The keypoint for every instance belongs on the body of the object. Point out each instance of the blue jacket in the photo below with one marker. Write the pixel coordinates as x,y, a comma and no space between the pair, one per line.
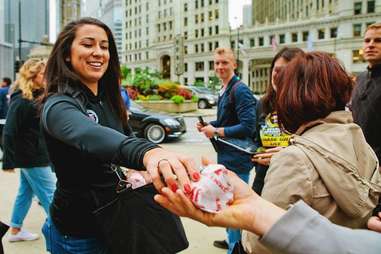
236,113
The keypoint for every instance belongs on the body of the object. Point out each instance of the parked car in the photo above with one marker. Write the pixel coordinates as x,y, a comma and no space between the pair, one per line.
156,127
206,98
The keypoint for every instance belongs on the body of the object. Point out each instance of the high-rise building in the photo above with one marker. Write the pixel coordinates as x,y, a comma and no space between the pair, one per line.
333,26
247,15
6,49
176,37
34,25
69,10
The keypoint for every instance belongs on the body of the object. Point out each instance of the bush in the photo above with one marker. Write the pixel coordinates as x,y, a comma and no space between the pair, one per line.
142,97
154,97
186,93
168,89
194,98
178,99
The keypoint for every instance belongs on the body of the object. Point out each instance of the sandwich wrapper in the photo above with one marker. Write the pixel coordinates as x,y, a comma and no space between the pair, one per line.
212,192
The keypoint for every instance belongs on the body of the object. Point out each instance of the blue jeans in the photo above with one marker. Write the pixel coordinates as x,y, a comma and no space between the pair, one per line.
234,235
39,181
57,243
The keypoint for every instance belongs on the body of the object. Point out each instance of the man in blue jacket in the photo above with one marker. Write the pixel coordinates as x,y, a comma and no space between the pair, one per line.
235,119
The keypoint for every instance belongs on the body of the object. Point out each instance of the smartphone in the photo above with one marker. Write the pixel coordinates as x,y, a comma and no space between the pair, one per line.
201,120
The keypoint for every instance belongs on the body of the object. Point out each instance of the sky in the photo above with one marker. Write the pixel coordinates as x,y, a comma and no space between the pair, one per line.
235,10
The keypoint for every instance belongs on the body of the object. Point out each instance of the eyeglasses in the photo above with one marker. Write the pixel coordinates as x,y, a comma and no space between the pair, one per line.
123,184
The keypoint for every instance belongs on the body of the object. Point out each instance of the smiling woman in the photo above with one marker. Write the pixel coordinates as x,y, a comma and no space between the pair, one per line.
87,135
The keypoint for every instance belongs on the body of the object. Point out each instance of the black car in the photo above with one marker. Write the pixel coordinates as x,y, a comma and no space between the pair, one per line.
206,98
156,127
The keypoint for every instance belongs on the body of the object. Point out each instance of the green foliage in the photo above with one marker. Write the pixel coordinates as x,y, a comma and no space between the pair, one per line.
154,97
214,83
167,89
194,98
199,83
178,99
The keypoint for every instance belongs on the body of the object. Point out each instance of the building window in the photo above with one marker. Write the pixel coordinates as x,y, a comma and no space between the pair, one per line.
196,4
216,44
185,50
196,19
305,35
185,21
196,48
185,67
211,65
371,6
232,44
216,29
185,7
357,57
185,35
210,30
202,32
282,38
216,13
356,30
321,34
199,66
210,46
210,15
333,32
202,17
260,41
196,33
357,8
252,42
185,81
202,47
294,37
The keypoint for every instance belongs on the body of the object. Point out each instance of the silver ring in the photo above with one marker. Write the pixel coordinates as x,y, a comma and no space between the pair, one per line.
158,163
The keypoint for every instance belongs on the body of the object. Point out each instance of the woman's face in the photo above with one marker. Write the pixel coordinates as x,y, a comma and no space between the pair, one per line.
90,54
279,64
39,79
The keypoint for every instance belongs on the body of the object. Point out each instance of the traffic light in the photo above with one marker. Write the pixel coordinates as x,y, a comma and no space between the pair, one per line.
17,65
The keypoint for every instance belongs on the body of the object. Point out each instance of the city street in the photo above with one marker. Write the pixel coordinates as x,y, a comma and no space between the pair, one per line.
200,237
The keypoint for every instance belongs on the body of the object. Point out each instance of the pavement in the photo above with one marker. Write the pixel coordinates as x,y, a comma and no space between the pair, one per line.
201,112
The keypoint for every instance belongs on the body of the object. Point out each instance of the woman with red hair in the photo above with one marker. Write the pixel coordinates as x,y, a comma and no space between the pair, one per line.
328,163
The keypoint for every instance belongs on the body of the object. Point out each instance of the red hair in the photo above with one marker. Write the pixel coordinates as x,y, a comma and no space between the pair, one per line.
311,87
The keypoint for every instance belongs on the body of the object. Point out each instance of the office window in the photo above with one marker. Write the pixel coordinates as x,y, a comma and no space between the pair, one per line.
356,30
294,37
185,7
282,39
202,17
333,32
202,47
357,8
202,32
185,50
210,15
216,29
211,65
196,48
185,67
321,34
210,30
199,66
196,4
210,46
196,33
260,41
216,44
185,35
357,57
305,35
185,81
185,21
196,19
216,13
371,6
252,42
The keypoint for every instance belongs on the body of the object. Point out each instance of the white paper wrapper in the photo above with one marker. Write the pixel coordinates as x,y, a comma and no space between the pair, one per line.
212,192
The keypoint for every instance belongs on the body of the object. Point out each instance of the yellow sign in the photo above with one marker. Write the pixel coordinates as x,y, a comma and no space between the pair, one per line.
270,133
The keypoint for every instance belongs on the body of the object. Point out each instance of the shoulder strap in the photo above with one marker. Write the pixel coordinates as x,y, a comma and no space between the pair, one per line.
232,93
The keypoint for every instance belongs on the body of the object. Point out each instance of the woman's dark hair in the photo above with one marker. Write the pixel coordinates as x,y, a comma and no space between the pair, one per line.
7,80
61,77
311,87
268,100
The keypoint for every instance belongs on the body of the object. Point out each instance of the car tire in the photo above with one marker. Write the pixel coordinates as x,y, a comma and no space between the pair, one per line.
202,104
154,133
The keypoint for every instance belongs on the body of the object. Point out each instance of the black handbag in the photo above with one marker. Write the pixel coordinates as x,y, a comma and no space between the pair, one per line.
133,223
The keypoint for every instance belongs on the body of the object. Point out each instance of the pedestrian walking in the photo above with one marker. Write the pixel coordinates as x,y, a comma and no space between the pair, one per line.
4,102
235,119
25,148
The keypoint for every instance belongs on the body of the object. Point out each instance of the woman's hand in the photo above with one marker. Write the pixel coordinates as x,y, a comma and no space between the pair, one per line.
265,157
374,223
248,211
170,169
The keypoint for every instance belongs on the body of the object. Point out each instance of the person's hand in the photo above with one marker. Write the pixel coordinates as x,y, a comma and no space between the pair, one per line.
247,211
9,170
170,169
208,130
374,223
265,157
199,126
